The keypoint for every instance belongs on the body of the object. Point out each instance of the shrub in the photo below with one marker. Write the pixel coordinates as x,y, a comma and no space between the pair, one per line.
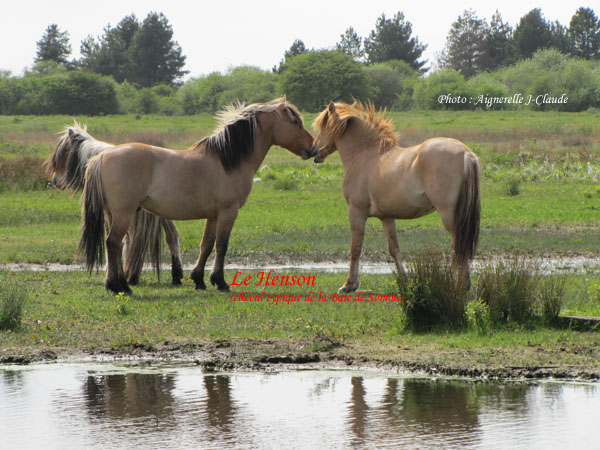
478,316
12,301
512,187
509,290
429,91
433,295
552,290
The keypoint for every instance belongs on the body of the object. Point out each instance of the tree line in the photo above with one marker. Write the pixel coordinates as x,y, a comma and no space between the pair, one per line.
136,67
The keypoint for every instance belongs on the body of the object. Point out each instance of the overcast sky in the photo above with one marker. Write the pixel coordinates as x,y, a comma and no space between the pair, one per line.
219,34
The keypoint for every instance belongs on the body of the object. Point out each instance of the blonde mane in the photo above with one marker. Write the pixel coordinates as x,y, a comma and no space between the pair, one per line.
376,127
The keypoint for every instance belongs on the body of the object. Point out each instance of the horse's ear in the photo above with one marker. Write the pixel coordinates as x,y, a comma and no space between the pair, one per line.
71,132
331,107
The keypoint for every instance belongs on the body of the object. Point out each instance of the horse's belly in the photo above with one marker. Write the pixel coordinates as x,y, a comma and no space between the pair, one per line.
402,207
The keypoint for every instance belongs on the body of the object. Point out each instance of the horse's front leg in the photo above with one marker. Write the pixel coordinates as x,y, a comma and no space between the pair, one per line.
224,225
172,237
208,241
358,218
389,228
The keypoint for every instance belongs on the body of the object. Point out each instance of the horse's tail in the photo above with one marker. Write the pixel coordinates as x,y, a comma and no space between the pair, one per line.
145,233
75,147
92,228
467,211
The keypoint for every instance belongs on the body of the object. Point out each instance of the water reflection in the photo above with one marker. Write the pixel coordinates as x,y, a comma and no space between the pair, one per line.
184,408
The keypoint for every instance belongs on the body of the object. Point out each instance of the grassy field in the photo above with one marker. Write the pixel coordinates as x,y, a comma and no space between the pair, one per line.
540,197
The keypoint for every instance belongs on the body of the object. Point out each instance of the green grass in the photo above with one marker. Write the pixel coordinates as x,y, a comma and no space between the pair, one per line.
72,310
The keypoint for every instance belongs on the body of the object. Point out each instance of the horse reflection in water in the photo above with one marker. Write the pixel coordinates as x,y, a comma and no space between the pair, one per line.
211,180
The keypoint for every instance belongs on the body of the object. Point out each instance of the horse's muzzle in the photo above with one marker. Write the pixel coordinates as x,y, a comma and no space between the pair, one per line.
309,152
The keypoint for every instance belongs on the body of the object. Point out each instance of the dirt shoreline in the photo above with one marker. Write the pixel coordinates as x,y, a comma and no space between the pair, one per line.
214,355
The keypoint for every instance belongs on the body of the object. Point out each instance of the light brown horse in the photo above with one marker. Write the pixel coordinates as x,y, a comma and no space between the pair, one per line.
210,180
66,167
389,182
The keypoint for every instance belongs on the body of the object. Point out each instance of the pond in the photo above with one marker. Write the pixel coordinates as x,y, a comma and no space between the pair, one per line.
149,406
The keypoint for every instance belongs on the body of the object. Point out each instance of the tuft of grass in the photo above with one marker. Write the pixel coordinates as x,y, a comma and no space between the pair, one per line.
433,294
12,301
478,316
552,292
509,290
512,188
285,184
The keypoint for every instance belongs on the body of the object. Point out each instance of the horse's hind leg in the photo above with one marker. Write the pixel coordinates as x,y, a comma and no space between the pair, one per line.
389,228
172,237
115,275
357,226
208,241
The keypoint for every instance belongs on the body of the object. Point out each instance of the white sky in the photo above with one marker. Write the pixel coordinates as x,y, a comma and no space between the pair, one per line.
219,34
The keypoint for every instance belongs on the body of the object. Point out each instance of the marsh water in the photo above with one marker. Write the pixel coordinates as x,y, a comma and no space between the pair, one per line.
140,406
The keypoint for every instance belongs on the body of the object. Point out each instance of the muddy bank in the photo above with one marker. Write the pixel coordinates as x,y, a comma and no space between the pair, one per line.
569,362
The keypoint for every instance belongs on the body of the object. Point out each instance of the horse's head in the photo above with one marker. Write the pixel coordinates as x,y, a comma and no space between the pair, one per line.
325,123
290,133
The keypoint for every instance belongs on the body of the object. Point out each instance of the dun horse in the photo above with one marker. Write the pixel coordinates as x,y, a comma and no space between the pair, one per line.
210,180
66,166
389,182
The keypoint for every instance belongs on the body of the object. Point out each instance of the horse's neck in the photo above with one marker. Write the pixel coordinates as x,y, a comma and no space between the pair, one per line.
262,144
354,151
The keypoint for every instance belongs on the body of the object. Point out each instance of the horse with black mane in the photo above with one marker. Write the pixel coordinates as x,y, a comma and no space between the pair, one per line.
210,180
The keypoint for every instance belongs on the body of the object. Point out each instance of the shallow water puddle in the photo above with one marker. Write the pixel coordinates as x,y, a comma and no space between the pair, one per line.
105,406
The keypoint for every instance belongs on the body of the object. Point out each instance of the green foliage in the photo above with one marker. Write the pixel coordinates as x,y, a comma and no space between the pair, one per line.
532,33
509,290
314,78
433,295
552,293
244,84
467,45
12,300
585,33
513,186
392,39
54,45
72,92
478,316
351,44
428,91
391,84
144,54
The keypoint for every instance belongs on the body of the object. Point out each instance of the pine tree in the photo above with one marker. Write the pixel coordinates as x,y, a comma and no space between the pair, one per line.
585,33
351,44
54,46
501,49
391,39
467,46
532,34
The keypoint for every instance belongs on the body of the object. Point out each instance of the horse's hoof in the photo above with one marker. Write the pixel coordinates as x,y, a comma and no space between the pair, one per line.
224,288
345,289
199,286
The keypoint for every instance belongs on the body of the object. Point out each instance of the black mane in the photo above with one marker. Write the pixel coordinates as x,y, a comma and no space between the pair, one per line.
234,142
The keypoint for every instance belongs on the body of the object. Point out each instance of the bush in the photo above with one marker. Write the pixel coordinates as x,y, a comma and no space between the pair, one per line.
429,92
314,78
552,291
12,301
512,188
433,295
391,84
509,291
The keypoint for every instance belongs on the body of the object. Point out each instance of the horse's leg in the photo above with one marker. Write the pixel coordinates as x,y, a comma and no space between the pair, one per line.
358,218
115,276
172,236
462,270
225,223
208,241
389,228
